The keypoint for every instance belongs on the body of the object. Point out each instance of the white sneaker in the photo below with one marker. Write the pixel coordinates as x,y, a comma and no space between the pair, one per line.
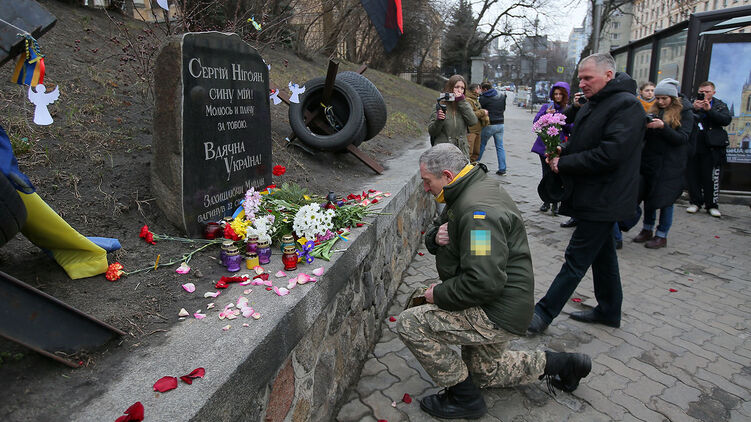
714,212
692,209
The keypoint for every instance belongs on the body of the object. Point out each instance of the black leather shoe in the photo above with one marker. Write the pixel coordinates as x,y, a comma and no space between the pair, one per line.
592,317
570,223
537,325
565,370
544,207
461,401
501,172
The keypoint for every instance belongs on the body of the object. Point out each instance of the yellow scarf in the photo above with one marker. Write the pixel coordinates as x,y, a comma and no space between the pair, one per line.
464,171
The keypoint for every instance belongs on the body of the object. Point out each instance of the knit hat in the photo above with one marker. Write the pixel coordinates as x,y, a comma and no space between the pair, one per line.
667,87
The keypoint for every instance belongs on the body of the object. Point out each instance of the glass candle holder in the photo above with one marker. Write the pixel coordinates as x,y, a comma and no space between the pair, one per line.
287,240
212,230
252,246
233,259
289,259
251,260
264,252
223,252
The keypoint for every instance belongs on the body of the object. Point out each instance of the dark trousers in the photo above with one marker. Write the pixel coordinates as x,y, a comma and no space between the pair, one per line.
591,244
703,179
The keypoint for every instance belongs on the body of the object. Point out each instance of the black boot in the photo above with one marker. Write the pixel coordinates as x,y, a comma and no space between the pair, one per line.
461,401
544,207
554,208
564,370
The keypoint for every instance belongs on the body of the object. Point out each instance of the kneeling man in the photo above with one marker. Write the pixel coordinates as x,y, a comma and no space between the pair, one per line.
486,295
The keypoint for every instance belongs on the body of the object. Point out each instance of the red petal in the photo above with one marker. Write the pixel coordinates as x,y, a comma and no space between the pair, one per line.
135,412
359,224
382,420
149,237
420,253
372,190
375,201
220,285
262,276
268,288
392,319
422,232
232,279
673,290
144,230
576,299
717,237
197,373
407,399
165,384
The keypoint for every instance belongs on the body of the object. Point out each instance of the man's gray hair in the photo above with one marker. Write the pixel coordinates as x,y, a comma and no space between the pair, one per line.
443,156
603,61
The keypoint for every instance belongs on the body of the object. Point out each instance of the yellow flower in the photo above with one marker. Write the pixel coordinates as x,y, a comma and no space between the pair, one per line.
240,226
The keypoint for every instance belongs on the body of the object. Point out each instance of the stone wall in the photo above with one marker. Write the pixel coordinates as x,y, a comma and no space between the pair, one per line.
301,370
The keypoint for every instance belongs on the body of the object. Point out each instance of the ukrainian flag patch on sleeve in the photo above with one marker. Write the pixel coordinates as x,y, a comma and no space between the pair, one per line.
479,215
479,244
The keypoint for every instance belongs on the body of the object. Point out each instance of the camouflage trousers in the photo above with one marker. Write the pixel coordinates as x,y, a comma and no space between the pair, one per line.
429,332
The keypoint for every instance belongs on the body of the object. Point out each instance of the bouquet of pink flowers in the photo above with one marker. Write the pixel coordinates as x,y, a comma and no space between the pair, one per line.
548,127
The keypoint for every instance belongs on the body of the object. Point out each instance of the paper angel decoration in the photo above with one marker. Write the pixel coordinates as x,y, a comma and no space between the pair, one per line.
163,4
296,90
41,99
275,96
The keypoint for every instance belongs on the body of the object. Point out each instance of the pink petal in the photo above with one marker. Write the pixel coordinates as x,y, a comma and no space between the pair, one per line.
210,294
183,312
241,300
256,315
245,324
199,316
231,315
258,269
247,291
189,287
247,312
246,282
210,305
386,194
183,269
281,291
226,327
280,274
318,271
292,283
267,283
303,278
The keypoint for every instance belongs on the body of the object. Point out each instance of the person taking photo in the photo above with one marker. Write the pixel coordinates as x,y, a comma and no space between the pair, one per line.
452,117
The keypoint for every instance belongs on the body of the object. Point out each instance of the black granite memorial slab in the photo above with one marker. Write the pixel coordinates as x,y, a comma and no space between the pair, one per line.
223,125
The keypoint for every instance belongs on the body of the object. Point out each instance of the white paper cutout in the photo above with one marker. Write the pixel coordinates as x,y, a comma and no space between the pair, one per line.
41,99
296,90
163,4
275,96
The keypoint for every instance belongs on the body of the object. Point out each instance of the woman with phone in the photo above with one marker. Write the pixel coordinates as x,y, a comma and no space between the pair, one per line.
453,116
663,161
559,95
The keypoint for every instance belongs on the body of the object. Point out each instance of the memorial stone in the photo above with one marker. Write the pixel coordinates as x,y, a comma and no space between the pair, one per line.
212,127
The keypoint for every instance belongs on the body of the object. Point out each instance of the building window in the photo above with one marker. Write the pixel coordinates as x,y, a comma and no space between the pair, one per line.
706,6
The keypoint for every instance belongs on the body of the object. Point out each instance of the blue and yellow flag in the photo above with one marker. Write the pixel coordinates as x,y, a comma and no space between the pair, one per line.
30,67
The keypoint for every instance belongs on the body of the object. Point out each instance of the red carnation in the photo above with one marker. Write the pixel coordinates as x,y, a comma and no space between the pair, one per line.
144,231
229,233
149,238
279,170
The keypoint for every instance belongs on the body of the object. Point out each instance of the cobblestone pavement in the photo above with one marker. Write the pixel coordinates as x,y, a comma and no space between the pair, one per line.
681,355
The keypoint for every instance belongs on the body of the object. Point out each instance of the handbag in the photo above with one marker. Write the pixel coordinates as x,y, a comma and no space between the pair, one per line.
717,138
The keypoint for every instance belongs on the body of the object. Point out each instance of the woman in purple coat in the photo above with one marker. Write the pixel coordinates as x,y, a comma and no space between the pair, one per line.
559,95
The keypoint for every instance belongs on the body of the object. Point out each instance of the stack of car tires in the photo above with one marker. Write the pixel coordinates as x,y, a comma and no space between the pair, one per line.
357,112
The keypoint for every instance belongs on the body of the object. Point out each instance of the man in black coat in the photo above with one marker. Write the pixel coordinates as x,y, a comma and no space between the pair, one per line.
600,167
703,170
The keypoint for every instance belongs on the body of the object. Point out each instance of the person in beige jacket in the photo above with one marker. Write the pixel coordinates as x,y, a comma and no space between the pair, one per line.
473,138
452,125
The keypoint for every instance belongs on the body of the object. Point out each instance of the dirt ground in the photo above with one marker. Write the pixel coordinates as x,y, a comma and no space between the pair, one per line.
92,166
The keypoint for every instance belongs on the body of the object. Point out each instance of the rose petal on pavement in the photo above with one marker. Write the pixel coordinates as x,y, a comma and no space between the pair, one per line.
292,283
576,299
247,291
246,282
245,324
212,294
210,305
318,271
256,315
199,316
183,312
280,274
189,287
392,319
302,278
281,291
196,373
165,384
407,399
672,290
258,269
226,327
133,414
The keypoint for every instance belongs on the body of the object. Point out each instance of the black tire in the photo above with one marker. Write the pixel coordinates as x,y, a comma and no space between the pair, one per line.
346,106
12,211
373,104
